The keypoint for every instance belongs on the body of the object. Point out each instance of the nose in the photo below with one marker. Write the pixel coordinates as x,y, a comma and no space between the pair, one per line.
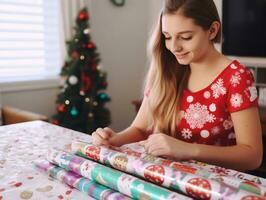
176,47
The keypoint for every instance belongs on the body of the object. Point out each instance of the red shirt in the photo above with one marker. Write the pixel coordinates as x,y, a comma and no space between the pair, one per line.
206,113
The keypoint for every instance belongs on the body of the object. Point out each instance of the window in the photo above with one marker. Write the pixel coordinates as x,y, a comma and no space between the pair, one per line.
29,39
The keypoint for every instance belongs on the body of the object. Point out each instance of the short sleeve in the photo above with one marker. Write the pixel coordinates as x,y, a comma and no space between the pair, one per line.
242,92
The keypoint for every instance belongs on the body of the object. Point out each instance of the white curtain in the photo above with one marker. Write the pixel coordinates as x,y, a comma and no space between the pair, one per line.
69,12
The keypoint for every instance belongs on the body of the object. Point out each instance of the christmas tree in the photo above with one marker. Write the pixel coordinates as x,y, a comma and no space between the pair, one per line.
81,102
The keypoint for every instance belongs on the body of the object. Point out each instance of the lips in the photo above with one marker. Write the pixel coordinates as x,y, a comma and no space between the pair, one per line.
180,56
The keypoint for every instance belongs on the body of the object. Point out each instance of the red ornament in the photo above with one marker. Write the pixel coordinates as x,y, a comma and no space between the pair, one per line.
104,84
61,108
75,55
83,15
94,66
55,121
86,80
91,45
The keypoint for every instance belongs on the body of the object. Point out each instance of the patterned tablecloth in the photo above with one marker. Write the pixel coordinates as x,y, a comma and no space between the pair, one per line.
21,145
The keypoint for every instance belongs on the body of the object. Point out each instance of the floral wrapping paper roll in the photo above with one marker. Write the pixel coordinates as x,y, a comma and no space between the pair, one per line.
114,179
189,183
85,185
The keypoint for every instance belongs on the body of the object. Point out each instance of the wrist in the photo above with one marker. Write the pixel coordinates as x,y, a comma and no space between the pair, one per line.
194,151
114,140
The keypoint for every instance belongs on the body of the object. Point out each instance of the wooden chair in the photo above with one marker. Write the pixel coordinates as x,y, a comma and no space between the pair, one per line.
11,115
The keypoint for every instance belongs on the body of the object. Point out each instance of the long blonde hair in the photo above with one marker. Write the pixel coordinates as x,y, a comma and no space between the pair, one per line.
167,78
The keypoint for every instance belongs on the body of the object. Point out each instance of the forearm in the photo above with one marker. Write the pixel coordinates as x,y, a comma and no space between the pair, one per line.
129,135
240,157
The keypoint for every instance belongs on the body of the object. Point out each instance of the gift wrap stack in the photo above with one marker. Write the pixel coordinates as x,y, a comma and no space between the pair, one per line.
128,173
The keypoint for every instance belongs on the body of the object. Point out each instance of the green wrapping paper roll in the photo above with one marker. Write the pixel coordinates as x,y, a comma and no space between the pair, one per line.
114,179
188,183
85,185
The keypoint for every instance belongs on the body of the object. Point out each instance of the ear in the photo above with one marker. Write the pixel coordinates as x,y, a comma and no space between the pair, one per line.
215,27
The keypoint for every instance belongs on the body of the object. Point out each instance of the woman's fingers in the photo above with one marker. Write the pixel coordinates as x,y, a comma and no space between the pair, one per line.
103,133
101,136
142,143
96,139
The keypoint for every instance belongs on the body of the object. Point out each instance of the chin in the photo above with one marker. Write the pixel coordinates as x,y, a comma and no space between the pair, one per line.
183,61
186,60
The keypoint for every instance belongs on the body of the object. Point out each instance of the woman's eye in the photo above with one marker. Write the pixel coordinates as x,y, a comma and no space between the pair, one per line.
186,38
167,38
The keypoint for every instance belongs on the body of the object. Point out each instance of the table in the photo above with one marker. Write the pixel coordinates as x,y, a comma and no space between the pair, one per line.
21,145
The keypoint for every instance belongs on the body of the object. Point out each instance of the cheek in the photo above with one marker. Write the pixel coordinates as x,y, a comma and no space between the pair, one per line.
198,45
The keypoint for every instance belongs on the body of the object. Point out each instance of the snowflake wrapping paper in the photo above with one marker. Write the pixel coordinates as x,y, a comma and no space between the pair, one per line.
114,179
85,185
189,183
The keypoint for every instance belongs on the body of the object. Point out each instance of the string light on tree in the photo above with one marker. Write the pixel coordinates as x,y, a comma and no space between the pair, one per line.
87,100
82,57
90,115
86,31
81,92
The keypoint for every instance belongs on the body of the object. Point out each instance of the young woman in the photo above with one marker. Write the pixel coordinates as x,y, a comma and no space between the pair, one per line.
198,104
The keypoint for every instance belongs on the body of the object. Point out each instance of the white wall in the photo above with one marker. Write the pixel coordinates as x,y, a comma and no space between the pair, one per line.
121,36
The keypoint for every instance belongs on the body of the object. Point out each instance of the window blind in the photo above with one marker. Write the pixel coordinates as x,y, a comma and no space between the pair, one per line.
29,38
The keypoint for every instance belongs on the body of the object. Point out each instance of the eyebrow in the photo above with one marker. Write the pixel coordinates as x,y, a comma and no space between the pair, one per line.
182,32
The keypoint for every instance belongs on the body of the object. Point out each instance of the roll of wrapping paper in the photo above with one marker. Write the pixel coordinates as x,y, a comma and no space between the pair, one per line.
85,185
114,179
236,179
197,167
233,178
178,180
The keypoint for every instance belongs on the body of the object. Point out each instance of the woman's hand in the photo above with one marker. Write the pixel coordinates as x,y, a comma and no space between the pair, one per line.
101,136
160,144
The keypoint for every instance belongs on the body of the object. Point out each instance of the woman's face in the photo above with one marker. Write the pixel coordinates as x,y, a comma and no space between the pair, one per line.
186,40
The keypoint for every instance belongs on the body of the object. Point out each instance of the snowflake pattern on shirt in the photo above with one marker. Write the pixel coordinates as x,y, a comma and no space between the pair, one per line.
206,113
197,115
